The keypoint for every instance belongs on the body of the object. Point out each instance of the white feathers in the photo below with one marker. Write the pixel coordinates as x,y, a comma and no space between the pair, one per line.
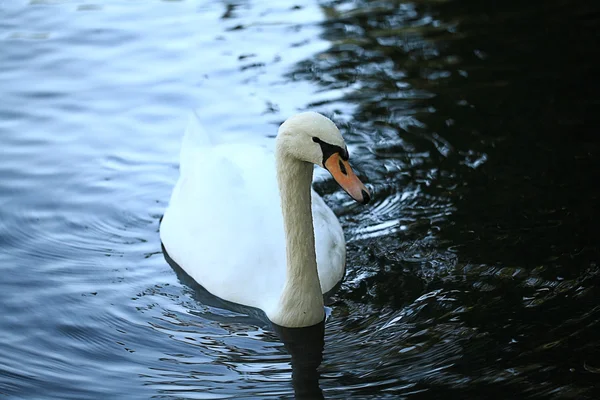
224,226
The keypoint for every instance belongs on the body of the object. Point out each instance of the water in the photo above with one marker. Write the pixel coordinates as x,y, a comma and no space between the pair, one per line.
474,273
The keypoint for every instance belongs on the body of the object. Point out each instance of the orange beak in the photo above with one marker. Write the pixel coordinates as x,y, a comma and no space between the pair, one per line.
347,179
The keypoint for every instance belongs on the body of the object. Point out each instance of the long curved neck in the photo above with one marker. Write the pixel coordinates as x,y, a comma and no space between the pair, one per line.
301,302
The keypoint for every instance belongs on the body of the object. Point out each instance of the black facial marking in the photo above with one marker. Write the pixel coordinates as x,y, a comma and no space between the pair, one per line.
344,154
330,149
343,168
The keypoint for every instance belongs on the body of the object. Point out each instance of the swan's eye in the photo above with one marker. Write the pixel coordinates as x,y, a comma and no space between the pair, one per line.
316,139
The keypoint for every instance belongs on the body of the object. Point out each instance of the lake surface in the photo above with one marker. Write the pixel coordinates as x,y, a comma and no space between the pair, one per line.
473,274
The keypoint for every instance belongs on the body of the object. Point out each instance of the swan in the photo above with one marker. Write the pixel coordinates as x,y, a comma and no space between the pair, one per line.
246,225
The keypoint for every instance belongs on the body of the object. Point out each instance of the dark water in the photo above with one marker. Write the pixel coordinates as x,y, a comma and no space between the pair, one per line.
474,274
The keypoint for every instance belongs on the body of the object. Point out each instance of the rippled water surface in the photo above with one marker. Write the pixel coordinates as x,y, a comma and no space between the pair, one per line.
474,273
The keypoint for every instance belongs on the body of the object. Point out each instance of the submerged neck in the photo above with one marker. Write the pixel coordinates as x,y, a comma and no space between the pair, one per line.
301,302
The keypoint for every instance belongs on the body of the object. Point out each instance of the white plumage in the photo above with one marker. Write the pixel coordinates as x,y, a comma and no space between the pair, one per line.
224,224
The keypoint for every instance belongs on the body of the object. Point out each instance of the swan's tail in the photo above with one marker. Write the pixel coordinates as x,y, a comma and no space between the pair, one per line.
195,134
195,140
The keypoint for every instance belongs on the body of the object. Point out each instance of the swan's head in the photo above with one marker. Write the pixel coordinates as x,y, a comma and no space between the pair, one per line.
313,138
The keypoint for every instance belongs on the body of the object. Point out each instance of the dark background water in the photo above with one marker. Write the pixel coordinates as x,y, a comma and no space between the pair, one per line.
474,274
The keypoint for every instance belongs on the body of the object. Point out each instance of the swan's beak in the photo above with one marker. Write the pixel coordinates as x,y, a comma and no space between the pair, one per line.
346,178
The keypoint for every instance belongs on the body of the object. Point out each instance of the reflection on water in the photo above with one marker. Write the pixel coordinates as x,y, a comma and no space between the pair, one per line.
473,274
305,346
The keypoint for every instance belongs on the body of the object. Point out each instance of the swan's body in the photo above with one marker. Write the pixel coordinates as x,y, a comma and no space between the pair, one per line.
245,240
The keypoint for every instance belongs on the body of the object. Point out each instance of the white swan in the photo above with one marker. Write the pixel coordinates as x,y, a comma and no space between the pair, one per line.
239,221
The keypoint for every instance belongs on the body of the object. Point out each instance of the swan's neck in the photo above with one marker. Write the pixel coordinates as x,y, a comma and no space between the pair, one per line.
301,302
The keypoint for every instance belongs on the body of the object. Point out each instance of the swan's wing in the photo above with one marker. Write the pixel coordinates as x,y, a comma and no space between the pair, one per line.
330,244
224,226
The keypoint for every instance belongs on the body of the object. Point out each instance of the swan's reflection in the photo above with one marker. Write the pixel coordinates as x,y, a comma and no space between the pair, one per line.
305,345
